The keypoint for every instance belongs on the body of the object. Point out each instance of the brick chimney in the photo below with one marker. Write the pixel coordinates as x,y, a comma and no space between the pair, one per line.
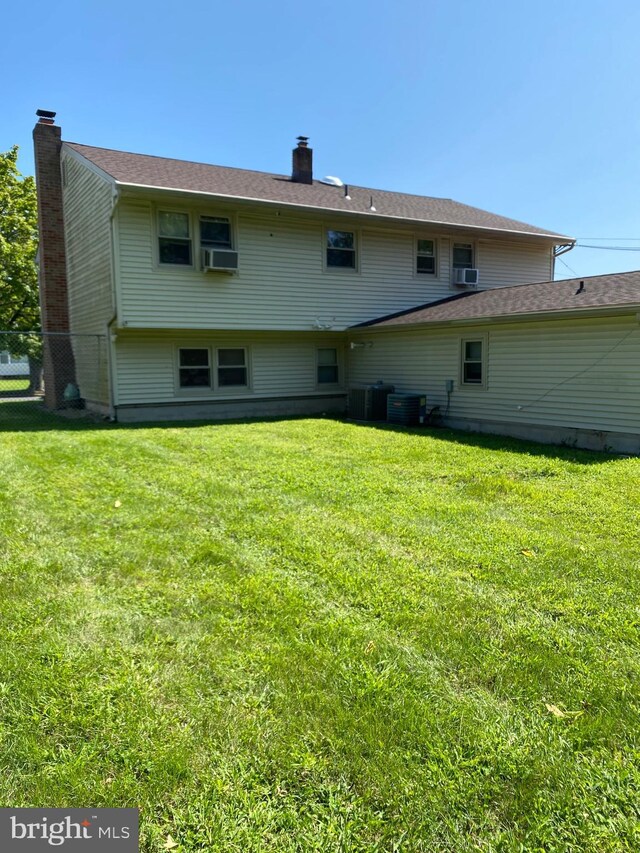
58,359
302,172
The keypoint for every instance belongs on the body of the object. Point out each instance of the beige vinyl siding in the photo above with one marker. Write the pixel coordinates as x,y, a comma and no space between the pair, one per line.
504,264
282,282
87,202
280,365
87,211
579,374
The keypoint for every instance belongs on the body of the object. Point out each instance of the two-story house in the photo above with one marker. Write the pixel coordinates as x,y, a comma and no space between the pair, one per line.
224,293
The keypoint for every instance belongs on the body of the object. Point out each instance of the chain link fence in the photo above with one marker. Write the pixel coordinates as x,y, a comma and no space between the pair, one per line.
44,376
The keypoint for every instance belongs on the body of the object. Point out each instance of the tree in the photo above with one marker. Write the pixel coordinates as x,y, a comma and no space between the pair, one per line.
19,304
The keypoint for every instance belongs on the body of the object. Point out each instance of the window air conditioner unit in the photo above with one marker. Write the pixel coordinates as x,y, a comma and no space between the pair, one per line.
466,278
220,259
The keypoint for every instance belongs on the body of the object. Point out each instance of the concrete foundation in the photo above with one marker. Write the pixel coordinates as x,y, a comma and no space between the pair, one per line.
616,442
230,409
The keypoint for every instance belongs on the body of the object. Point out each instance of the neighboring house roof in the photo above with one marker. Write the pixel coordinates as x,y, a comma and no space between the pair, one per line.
163,173
618,290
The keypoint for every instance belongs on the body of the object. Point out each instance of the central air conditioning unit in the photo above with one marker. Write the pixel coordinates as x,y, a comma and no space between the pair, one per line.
225,260
407,409
465,278
369,402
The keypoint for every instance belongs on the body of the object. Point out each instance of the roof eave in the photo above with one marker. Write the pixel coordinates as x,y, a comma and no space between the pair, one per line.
555,239
564,314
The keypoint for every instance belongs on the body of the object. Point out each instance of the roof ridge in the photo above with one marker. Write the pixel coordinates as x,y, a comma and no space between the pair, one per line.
175,159
277,175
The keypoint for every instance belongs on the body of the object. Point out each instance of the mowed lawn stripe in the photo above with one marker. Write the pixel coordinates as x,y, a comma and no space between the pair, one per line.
313,635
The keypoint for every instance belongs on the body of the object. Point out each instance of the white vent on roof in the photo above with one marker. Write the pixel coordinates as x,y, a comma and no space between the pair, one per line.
332,181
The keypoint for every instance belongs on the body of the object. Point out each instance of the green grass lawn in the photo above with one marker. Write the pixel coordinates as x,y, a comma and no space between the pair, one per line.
309,635
14,384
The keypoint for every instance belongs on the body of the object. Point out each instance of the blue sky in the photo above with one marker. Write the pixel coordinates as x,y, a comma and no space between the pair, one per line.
530,110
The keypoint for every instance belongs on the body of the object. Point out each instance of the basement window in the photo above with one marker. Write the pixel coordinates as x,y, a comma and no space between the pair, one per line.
174,238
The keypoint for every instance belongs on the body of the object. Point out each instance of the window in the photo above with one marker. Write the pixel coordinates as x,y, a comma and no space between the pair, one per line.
232,367
194,370
341,249
328,366
426,257
174,238
473,362
462,256
4,358
215,232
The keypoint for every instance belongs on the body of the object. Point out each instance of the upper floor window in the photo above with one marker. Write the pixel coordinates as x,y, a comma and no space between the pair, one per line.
215,232
341,249
462,258
426,257
174,236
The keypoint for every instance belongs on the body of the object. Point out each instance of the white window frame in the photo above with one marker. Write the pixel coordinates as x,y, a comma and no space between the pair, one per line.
417,253
214,388
338,383
224,388
354,270
193,389
229,219
163,264
474,254
194,216
484,341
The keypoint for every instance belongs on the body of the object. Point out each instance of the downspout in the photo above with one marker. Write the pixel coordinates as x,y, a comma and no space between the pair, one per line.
110,333
558,250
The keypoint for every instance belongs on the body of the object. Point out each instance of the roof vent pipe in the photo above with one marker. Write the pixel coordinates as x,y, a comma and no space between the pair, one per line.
302,171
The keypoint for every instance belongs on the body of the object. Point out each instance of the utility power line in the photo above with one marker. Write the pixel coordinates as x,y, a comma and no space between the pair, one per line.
609,248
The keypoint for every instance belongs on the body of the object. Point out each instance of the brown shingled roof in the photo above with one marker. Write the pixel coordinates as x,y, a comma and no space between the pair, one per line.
165,173
601,291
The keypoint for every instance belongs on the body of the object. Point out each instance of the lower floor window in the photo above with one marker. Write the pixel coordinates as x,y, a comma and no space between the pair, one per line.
232,367
195,370
328,366
472,362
